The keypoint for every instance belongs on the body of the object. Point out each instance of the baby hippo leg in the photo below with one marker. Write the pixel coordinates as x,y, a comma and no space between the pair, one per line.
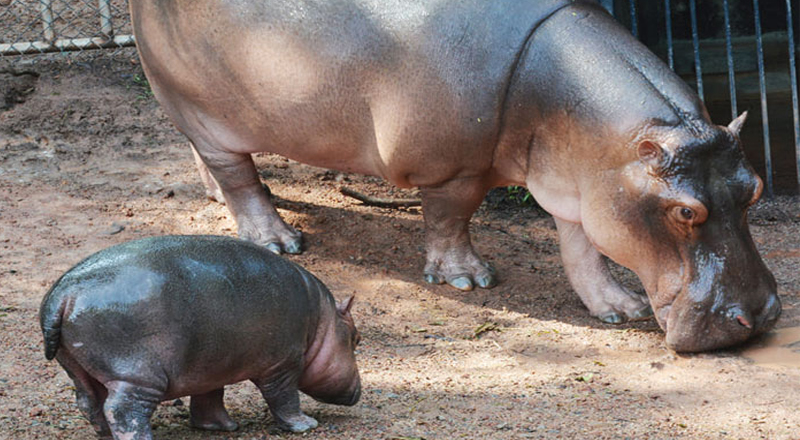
208,412
284,404
89,393
128,408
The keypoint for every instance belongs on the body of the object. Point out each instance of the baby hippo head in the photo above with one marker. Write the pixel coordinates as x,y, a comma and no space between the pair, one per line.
331,373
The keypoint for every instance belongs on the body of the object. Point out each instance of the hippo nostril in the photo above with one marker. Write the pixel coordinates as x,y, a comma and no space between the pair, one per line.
742,320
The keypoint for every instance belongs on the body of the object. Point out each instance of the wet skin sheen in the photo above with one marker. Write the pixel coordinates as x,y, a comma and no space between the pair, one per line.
165,317
458,96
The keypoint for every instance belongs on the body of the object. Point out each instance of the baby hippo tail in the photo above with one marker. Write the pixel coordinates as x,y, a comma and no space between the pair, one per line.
50,313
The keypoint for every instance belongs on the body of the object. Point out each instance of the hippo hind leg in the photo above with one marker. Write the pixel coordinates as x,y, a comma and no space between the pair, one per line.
284,404
232,178
89,393
450,257
589,275
128,409
208,412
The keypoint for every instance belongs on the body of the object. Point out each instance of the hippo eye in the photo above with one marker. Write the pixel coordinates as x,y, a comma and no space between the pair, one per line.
689,211
689,216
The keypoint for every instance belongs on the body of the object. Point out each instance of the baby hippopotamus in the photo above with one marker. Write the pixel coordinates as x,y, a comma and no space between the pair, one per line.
165,317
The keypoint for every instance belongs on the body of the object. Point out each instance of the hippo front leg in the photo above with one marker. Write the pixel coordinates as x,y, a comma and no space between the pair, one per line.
450,257
235,177
589,275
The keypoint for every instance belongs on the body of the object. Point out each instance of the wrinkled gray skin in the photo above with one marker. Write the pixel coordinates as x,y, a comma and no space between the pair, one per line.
166,317
458,96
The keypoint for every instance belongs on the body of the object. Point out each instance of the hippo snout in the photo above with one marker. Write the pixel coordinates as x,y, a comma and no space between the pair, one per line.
348,398
354,398
769,316
716,329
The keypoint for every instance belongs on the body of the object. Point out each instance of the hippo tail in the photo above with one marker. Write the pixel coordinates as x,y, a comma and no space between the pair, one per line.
50,317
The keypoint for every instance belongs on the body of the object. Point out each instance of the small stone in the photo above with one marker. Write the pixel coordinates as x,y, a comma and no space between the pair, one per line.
115,228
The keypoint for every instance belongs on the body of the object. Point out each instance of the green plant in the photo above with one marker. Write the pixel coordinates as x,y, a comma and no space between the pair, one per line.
141,83
520,195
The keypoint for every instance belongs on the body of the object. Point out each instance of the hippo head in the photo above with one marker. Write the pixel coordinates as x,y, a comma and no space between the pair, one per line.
676,214
331,374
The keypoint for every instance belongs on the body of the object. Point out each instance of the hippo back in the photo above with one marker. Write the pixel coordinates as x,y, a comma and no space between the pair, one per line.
184,301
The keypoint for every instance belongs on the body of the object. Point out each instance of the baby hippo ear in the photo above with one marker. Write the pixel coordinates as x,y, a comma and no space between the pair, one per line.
651,154
736,125
345,306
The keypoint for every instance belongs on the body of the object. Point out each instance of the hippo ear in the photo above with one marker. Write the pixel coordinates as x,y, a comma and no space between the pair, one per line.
345,306
736,125
650,153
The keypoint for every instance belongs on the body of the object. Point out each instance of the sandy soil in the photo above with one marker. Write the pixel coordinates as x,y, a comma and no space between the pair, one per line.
88,159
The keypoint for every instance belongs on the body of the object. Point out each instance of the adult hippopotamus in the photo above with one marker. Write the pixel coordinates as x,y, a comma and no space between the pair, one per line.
165,317
458,96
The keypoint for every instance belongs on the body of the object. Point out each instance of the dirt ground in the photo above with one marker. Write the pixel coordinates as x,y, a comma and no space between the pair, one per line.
88,160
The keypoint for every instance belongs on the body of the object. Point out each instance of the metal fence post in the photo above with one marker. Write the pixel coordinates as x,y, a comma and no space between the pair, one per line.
696,43
793,80
49,35
104,8
763,91
668,24
729,54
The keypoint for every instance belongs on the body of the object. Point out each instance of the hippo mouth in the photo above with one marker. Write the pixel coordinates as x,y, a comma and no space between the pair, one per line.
691,328
347,399
662,317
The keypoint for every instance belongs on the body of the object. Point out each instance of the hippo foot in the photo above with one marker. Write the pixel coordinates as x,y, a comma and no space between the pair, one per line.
215,195
615,317
280,239
463,276
298,423
227,425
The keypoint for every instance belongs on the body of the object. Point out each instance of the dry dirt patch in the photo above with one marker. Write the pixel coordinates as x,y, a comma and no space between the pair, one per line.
88,159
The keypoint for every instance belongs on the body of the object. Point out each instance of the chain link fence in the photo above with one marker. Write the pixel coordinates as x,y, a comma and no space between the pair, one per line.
43,26
740,54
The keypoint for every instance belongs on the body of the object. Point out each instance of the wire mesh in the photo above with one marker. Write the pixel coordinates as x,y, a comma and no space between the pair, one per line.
42,26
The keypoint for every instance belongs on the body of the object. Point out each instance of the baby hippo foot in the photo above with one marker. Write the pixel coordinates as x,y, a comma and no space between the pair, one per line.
214,424
284,404
462,270
297,423
208,412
